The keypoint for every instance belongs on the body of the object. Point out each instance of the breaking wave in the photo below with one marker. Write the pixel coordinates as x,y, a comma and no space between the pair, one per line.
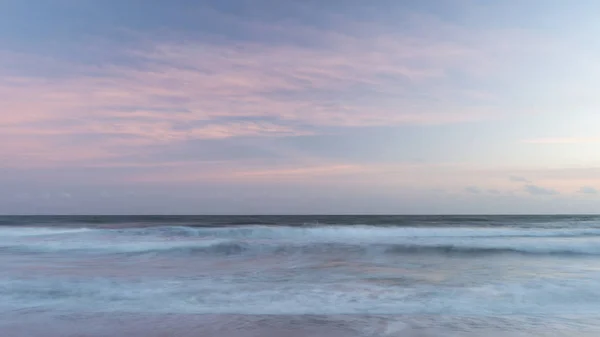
349,232
305,240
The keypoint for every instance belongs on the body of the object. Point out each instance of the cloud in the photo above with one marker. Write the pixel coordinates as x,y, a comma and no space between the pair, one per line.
519,179
279,171
537,190
588,190
185,90
176,91
473,190
292,84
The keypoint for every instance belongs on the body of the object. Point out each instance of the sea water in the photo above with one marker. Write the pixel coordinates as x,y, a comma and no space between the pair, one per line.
300,276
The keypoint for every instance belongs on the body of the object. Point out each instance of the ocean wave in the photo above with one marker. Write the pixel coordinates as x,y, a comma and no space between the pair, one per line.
205,247
39,231
314,232
450,249
229,296
309,240
357,232
221,247
124,247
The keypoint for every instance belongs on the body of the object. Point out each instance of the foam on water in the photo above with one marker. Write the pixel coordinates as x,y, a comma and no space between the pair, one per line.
11,232
462,279
119,247
338,232
228,295
362,232
261,239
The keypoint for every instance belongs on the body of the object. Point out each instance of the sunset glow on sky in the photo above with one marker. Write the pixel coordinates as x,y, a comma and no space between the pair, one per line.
264,106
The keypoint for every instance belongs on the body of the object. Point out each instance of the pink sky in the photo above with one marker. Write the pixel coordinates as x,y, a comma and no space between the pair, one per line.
372,102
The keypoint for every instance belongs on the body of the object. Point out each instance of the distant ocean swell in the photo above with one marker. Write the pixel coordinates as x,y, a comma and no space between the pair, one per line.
240,240
436,221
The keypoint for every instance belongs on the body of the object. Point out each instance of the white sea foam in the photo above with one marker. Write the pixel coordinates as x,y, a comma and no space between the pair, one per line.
441,273
343,232
11,232
96,246
369,232
231,296
263,239
314,293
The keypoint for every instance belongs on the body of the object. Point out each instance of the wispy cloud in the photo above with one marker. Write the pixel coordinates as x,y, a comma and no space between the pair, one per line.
473,190
519,179
183,91
177,92
588,190
326,172
538,190
317,97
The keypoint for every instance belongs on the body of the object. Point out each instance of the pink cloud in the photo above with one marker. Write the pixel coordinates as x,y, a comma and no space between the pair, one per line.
211,91
227,82
47,152
451,177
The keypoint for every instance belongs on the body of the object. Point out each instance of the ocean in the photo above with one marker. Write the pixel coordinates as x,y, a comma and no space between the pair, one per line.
295,276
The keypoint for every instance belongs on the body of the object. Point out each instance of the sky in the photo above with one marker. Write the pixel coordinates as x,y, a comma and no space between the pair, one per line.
299,107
